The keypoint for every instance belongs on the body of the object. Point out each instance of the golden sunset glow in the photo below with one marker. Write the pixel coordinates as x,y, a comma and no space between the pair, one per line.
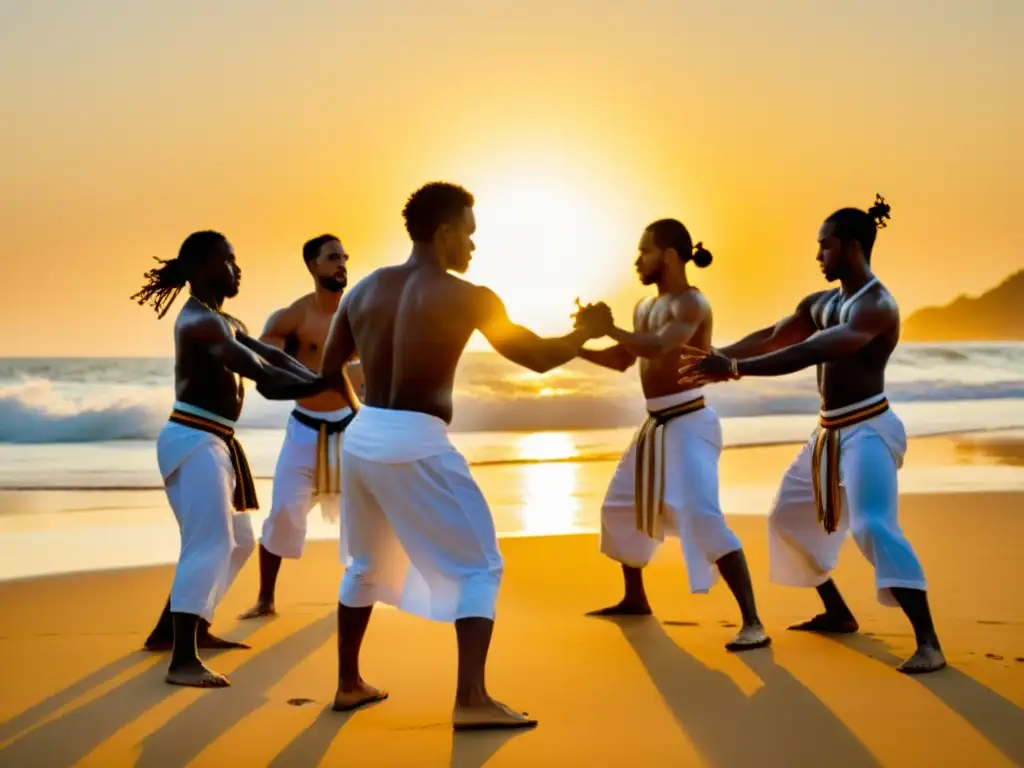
130,125
543,241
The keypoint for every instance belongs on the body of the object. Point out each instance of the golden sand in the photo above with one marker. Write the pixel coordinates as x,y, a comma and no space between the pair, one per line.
658,691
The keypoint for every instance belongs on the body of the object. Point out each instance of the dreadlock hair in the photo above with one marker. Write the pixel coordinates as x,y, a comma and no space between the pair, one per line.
854,224
670,233
311,249
164,283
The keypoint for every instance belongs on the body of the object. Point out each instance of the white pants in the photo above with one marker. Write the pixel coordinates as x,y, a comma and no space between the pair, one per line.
419,531
803,554
215,539
295,490
693,446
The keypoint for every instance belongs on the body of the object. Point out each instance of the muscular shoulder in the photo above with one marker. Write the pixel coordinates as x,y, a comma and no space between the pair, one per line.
481,301
689,305
643,307
202,326
284,321
807,303
877,307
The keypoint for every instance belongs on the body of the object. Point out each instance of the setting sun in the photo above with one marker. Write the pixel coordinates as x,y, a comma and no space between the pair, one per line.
541,242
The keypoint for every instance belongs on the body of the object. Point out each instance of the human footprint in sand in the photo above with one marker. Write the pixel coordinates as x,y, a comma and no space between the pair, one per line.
206,475
667,480
845,478
419,531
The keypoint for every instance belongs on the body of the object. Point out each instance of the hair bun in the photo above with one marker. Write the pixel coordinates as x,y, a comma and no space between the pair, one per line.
879,211
701,256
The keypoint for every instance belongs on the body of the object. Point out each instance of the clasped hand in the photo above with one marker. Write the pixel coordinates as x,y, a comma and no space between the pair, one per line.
595,319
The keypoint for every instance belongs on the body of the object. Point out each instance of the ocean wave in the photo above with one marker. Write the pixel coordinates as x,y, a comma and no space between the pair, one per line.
35,411
38,411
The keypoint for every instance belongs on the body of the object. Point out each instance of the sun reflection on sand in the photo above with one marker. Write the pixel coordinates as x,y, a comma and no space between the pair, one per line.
549,503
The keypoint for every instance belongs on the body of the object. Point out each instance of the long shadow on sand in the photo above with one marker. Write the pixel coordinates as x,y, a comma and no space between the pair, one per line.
190,731
474,749
1000,721
729,728
310,747
65,696
72,736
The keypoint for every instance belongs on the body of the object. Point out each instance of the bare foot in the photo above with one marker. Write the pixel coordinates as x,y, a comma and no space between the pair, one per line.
489,715
262,608
749,638
927,659
361,695
623,609
196,675
829,624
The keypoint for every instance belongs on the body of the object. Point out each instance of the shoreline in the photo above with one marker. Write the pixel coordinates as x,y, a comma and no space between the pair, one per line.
918,498
515,462
50,532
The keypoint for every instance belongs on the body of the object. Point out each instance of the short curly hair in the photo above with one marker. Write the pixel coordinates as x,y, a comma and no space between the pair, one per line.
432,205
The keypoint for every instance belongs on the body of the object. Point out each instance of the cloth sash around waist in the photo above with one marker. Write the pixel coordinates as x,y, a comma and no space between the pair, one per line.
326,473
649,473
392,436
245,489
828,493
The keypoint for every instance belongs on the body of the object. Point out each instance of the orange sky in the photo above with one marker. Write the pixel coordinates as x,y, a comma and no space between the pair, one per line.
128,125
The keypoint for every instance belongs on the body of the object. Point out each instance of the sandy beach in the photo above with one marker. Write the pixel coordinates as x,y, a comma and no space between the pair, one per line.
658,691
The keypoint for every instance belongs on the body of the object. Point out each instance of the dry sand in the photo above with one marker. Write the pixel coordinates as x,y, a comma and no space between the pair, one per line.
658,691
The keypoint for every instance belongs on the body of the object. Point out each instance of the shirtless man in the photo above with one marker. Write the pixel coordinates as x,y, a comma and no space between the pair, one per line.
309,466
420,533
845,478
677,491
206,475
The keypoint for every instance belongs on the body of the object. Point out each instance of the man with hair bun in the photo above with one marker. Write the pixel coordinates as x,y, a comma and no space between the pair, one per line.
205,472
667,480
845,478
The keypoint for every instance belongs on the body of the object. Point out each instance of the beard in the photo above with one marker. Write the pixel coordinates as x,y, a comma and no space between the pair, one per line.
650,278
332,284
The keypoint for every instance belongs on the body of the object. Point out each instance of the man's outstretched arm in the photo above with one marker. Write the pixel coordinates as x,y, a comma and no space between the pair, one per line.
281,326
837,343
521,345
272,382
616,357
792,329
685,319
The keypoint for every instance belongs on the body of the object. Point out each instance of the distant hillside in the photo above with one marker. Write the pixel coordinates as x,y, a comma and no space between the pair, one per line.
996,315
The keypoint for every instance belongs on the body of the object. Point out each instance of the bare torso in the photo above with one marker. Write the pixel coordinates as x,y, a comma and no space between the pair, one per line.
410,325
306,344
199,379
862,374
659,376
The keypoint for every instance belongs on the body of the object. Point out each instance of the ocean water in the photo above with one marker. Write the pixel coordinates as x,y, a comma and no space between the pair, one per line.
77,423
80,490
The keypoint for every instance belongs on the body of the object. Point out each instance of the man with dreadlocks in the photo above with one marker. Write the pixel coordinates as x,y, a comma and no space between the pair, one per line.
206,475
844,478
